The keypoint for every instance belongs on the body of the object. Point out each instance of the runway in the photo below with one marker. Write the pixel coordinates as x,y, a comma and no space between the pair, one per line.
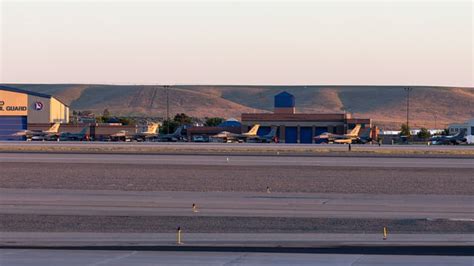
234,241
81,196
239,160
235,204
38,210
25,257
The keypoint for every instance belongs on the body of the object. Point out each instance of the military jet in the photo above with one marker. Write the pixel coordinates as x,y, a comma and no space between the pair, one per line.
351,137
364,136
150,133
67,136
172,137
456,139
267,138
121,135
227,136
49,134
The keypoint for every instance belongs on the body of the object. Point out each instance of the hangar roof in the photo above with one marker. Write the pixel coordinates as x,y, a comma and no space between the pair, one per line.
12,89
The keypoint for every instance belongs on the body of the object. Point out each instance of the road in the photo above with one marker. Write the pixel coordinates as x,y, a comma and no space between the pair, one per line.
25,257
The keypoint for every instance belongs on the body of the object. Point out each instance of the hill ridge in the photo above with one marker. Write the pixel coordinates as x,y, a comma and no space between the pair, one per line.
386,105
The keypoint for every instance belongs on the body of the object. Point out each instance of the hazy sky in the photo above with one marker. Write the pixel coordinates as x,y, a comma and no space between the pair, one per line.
317,42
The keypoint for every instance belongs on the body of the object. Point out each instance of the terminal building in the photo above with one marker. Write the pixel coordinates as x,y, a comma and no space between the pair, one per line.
293,127
19,108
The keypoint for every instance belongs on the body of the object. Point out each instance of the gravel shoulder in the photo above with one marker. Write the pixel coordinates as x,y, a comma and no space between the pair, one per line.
250,149
168,224
316,179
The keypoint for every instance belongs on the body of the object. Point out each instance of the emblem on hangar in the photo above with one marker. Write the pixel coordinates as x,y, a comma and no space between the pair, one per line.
39,106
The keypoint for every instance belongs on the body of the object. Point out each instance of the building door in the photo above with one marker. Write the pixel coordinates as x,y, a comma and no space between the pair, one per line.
291,135
320,130
262,131
306,135
10,125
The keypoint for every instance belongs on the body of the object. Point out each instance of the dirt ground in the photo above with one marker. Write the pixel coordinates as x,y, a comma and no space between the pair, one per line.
135,177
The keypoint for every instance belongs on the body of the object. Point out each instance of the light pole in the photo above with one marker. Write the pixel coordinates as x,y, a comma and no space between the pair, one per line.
167,108
408,107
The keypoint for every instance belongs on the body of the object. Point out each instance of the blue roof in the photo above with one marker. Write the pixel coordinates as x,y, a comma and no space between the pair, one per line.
230,123
12,89
5,88
284,99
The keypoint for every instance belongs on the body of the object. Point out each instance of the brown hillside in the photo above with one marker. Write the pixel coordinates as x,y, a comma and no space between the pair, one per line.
386,105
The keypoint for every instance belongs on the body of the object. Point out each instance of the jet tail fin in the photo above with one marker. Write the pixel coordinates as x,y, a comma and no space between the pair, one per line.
152,128
178,131
83,131
253,130
272,132
54,128
462,133
355,131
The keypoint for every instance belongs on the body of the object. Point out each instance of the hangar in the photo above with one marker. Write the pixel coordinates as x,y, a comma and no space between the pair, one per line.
295,127
468,127
18,108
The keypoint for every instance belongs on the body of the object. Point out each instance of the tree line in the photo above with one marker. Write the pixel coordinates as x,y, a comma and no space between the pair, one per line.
173,123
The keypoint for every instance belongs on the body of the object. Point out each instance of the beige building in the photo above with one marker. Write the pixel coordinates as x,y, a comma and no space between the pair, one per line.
18,108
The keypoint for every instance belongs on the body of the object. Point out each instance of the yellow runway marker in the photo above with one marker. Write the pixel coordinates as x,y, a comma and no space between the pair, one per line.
178,232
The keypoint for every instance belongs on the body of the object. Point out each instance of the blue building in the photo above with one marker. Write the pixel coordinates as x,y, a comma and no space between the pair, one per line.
295,127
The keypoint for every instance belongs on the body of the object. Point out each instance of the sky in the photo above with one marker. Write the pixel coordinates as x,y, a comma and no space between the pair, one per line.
238,42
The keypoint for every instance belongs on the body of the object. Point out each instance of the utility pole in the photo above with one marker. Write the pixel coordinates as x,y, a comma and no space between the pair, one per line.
408,107
167,108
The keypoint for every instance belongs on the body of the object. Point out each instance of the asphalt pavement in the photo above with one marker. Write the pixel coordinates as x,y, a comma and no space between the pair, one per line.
99,240
235,204
465,163
71,199
26,257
